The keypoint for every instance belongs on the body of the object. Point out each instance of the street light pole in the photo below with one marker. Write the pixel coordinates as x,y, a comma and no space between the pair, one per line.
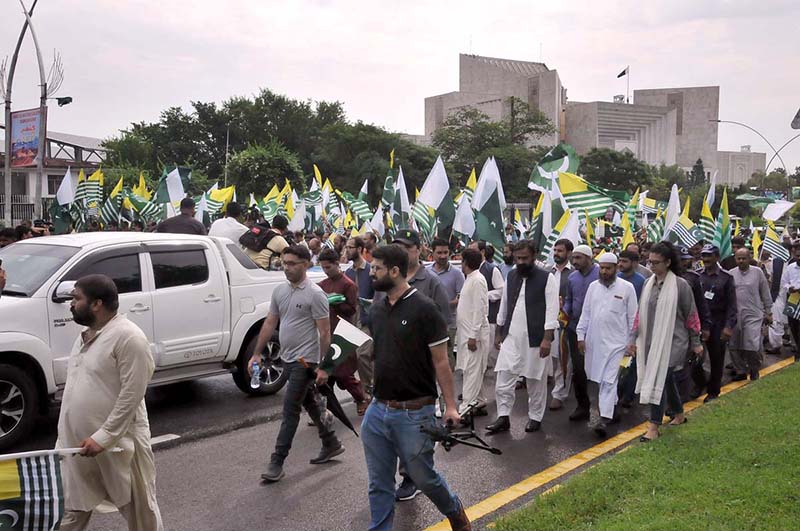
779,150
756,132
7,135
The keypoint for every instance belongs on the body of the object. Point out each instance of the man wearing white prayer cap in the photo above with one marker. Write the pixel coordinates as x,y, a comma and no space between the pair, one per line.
605,324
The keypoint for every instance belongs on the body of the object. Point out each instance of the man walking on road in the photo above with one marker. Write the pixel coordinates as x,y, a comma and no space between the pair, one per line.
586,272
754,307
562,364
452,280
526,323
472,335
410,342
103,407
358,272
301,308
720,292
606,323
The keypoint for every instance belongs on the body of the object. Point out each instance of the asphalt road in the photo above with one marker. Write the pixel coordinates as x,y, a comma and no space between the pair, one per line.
209,477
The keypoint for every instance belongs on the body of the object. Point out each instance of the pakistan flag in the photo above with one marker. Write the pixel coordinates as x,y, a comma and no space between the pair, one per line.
344,342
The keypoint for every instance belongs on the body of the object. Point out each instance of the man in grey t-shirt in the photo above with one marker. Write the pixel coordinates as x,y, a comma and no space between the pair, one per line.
301,308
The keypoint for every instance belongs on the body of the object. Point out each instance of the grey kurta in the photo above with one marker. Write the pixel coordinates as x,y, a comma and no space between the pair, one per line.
686,334
753,302
104,399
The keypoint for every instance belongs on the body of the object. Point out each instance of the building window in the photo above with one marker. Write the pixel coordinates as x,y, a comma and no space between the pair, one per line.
53,182
19,183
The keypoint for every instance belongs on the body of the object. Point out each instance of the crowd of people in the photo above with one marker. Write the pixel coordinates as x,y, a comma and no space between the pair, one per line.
652,323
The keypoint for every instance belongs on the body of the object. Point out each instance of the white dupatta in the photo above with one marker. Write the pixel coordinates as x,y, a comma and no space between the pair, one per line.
651,369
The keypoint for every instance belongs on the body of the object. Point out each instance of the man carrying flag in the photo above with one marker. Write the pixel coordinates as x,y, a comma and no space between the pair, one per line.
103,407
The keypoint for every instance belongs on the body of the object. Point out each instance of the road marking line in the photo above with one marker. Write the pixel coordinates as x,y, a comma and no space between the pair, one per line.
508,495
163,438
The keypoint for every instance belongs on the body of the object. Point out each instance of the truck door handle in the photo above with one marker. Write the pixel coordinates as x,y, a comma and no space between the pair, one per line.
139,308
212,298
58,325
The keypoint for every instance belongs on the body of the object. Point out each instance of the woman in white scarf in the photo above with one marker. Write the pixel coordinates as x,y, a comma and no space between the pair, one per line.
666,326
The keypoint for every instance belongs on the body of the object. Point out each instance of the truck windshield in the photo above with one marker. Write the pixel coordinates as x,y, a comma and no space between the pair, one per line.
29,265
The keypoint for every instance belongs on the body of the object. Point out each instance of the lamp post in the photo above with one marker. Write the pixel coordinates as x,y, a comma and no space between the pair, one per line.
756,132
7,98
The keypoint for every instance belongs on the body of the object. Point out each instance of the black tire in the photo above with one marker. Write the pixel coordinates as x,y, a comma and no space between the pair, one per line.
20,405
273,377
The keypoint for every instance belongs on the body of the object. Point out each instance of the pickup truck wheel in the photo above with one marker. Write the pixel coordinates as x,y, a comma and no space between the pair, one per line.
19,405
273,377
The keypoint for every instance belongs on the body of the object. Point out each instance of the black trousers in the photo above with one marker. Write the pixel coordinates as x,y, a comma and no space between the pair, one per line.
716,356
579,384
794,329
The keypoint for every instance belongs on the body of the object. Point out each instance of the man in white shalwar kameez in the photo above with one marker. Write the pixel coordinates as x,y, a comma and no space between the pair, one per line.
526,322
472,330
103,408
609,310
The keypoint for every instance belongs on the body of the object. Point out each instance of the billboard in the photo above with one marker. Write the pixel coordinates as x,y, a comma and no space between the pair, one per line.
25,126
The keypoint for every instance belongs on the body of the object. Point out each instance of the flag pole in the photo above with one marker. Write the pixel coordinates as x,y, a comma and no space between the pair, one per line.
55,451
628,89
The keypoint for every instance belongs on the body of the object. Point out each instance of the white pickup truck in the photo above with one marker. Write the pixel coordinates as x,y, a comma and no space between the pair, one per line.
199,300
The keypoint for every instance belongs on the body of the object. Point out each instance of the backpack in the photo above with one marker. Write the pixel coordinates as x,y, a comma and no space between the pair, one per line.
258,237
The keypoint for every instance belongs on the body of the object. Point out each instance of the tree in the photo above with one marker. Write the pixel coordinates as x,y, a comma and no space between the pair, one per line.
616,170
523,124
256,168
698,174
465,135
776,180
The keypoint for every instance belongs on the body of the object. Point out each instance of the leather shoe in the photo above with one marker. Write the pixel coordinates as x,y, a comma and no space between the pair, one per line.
580,413
459,521
501,424
556,404
738,377
274,473
327,453
709,398
533,425
754,375
601,428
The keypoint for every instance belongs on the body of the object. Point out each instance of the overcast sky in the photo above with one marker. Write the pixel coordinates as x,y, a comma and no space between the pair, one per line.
126,61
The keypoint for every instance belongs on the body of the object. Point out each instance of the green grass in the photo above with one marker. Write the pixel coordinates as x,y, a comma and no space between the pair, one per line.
735,465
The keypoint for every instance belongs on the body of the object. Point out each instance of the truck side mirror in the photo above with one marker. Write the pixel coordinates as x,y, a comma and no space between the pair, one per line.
63,292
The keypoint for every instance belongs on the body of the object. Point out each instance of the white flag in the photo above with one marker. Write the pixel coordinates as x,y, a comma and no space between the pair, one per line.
66,190
298,222
673,211
436,186
175,186
465,219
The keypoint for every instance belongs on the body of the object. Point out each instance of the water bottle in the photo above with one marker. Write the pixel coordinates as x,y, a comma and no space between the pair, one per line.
255,380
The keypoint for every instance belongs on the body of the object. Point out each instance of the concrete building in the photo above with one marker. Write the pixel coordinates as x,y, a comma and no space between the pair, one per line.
664,125
736,167
62,151
486,83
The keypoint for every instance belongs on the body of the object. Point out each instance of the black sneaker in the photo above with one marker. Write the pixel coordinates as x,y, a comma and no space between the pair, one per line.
407,490
327,453
274,473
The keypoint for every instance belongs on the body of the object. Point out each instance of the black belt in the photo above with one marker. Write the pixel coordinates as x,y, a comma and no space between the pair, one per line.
417,403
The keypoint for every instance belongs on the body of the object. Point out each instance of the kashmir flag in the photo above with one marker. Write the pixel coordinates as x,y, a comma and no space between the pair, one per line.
141,189
359,207
590,240
391,159
519,224
685,232
31,492
560,159
736,229
94,190
345,340
792,308
472,183
633,207
722,234
655,230
537,220
756,242
146,210
567,227
77,209
111,208
581,195
219,198
317,176
707,224
772,243
269,206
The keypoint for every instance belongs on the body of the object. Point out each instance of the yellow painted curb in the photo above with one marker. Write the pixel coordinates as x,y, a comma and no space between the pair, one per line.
508,495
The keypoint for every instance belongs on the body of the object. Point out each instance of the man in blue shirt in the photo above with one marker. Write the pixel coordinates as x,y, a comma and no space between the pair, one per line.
586,272
628,260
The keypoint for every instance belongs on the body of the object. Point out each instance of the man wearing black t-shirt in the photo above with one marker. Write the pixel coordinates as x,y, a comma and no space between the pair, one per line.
410,351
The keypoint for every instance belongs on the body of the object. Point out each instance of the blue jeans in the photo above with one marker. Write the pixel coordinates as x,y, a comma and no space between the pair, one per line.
388,435
670,396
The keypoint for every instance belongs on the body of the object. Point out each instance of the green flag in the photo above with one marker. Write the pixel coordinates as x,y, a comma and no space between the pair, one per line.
722,233
561,158
489,224
345,340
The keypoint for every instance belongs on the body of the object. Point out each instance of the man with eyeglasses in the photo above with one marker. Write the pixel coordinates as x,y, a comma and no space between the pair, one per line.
301,307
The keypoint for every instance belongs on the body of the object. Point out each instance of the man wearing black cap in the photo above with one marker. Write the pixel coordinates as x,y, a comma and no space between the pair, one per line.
694,365
720,294
425,282
183,223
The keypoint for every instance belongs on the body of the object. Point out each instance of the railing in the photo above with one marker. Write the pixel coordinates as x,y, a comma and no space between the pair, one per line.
21,208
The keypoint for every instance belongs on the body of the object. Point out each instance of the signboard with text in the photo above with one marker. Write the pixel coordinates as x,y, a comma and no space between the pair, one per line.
25,126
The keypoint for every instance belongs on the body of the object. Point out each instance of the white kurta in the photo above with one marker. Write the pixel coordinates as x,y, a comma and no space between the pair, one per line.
471,317
107,378
516,355
605,324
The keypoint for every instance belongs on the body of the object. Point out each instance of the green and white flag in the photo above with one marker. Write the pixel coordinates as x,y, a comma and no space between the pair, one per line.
358,207
489,203
146,210
425,219
584,197
561,158
401,207
111,208
387,198
170,188
656,229
435,193
722,233
345,340
464,223
31,492
363,194
685,232
567,227
773,244
707,224
792,308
